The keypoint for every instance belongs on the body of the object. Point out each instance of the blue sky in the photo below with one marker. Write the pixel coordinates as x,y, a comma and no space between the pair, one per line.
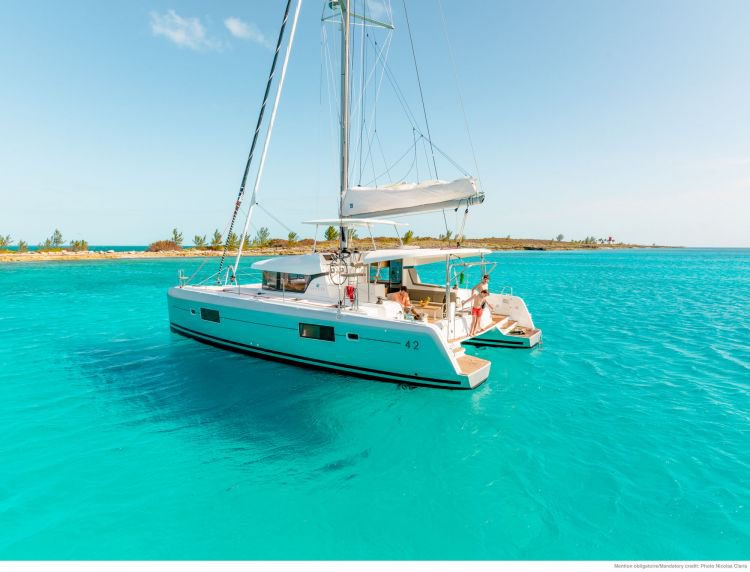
119,121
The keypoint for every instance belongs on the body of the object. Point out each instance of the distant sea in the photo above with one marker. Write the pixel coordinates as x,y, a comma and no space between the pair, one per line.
626,436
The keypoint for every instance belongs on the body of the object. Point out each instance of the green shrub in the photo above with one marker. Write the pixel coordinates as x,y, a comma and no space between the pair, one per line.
216,240
176,237
331,233
262,237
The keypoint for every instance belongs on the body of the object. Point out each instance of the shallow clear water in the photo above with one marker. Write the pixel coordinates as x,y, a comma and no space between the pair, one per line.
626,436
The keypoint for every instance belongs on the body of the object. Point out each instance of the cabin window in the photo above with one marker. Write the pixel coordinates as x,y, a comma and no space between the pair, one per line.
396,271
294,282
351,336
317,332
285,281
271,280
210,315
387,272
414,275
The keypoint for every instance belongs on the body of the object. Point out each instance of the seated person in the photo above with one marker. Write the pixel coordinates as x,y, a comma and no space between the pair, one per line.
402,297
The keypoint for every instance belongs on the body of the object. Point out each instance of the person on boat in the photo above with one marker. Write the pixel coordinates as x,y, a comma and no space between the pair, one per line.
483,286
402,297
478,303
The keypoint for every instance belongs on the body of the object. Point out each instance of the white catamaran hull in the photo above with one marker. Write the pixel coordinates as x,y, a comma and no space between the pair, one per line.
326,337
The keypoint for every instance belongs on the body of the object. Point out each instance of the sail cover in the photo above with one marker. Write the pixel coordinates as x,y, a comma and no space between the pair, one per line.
404,198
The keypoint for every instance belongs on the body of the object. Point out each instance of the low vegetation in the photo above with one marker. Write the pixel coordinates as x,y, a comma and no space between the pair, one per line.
264,243
163,246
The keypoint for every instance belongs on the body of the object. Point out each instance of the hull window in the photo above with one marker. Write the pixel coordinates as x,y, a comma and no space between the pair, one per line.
351,336
210,315
317,332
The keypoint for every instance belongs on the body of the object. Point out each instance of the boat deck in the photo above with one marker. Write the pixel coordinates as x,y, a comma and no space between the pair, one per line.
469,364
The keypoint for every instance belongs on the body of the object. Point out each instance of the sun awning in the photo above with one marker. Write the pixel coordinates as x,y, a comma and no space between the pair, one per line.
417,256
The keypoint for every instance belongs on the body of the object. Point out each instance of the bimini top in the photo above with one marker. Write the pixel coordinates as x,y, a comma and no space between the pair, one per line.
354,222
307,264
416,256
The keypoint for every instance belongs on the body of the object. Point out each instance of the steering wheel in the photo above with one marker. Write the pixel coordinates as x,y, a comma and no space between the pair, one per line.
337,270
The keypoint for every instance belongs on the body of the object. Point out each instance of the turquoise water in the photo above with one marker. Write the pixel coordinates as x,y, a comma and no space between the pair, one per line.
626,436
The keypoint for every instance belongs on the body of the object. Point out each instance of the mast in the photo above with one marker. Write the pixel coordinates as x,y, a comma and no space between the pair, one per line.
345,56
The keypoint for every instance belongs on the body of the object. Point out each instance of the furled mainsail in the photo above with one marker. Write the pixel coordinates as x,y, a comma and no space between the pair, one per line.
404,198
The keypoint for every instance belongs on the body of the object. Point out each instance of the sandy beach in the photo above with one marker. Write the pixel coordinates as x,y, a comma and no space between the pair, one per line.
64,255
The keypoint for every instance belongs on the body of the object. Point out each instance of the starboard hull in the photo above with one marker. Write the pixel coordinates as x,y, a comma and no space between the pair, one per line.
321,338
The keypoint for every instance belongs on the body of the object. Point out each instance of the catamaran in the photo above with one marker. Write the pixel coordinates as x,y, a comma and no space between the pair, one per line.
334,309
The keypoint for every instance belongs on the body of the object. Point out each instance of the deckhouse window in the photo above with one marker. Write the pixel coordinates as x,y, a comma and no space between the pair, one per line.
285,281
294,282
388,272
317,332
271,280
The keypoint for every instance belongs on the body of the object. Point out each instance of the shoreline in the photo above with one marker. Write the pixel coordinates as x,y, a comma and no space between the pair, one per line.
494,244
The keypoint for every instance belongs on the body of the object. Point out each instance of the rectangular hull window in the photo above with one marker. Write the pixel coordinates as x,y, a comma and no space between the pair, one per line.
317,332
210,315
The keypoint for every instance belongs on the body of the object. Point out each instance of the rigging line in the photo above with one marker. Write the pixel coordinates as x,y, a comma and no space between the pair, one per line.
258,125
331,90
426,158
399,94
458,89
419,83
451,161
369,157
416,161
409,170
358,104
412,119
386,48
265,210
269,131
445,220
385,161
401,158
